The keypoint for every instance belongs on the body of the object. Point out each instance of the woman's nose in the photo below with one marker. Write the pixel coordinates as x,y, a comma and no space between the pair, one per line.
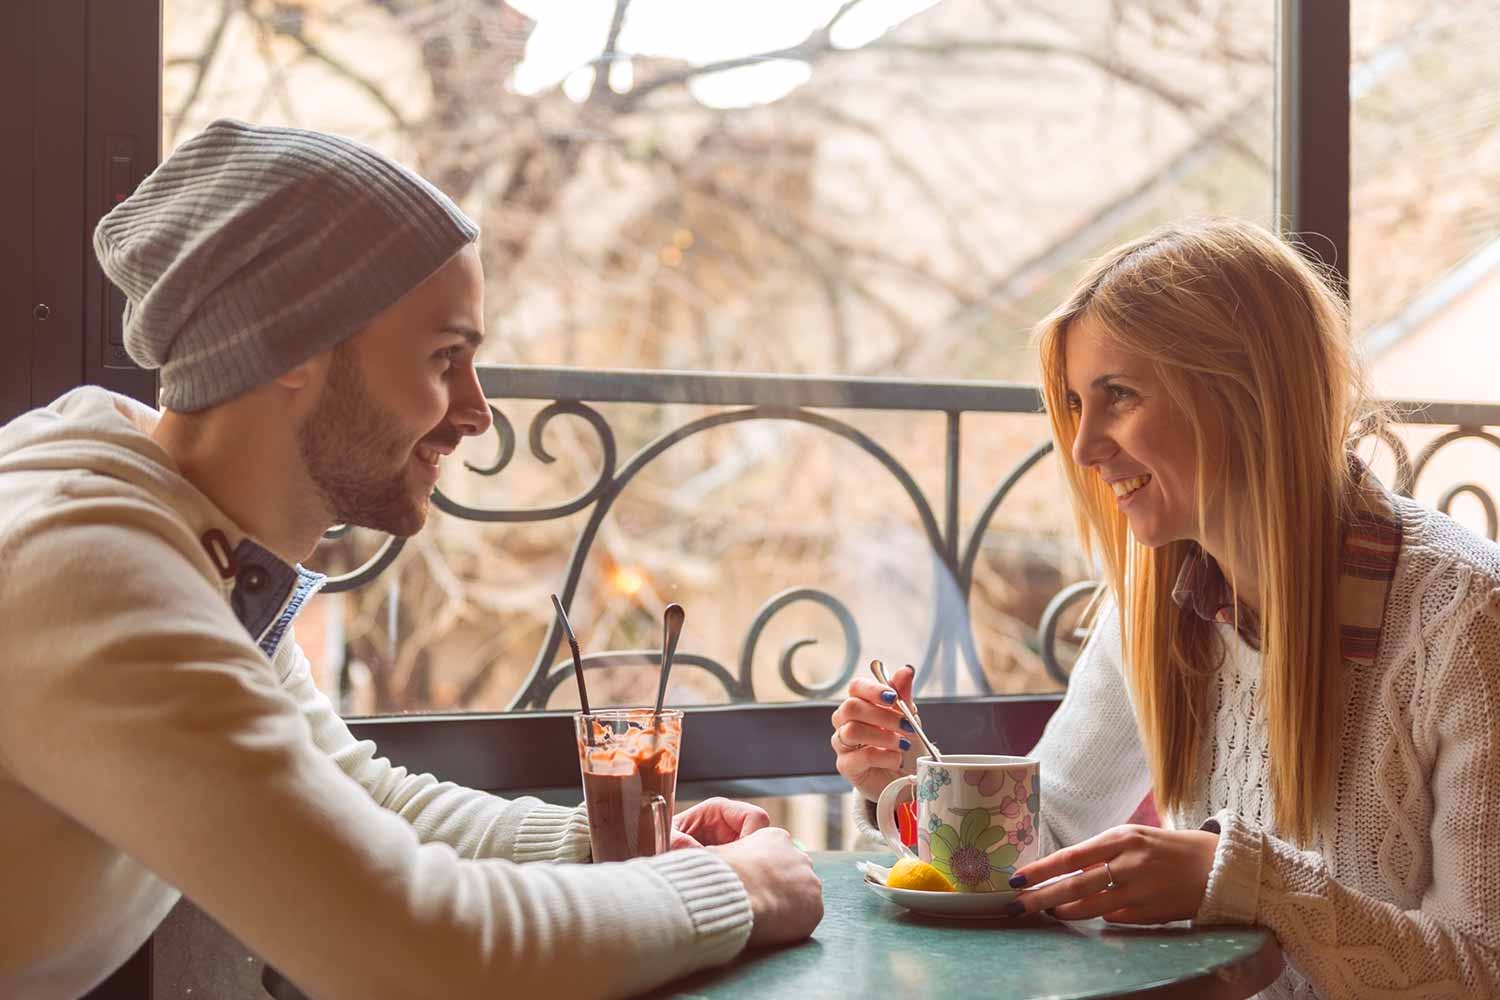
1091,445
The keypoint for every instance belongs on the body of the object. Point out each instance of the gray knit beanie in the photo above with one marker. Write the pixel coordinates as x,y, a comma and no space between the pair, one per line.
250,249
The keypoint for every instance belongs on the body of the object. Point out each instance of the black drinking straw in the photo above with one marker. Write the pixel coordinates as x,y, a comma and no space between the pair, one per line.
583,693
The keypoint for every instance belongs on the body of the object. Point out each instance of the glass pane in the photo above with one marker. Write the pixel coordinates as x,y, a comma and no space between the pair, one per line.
866,189
1425,221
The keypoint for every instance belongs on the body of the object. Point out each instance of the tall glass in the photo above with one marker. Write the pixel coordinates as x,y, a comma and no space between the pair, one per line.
628,758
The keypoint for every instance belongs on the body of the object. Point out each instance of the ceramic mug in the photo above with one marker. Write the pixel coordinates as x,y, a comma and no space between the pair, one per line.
976,817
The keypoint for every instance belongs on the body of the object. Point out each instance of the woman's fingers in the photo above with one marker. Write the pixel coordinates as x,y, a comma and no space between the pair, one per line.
853,764
1106,846
854,735
1065,892
872,691
855,710
1096,904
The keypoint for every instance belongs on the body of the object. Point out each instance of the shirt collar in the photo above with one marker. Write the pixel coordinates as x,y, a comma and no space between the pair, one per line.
1369,551
265,592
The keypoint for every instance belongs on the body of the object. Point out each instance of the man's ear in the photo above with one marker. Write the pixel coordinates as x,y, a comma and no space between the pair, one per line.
309,374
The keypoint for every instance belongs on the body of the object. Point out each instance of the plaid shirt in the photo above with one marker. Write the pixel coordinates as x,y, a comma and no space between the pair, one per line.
1370,548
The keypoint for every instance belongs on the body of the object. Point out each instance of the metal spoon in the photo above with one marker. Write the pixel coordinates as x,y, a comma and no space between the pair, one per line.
878,669
671,629
583,694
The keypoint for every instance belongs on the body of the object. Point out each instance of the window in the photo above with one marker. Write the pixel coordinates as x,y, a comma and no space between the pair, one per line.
860,190
1425,227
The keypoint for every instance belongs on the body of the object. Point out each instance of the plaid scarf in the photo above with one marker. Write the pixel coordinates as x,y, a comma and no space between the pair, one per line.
1369,549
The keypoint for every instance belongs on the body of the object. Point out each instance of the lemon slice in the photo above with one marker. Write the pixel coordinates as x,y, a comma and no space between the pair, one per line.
909,873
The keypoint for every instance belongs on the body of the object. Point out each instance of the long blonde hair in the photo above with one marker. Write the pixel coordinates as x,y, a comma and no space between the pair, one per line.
1244,333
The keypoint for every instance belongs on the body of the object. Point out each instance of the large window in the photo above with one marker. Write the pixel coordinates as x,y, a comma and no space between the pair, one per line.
856,189
1425,223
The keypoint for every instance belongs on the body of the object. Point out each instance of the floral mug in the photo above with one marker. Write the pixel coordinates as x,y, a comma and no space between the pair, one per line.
976,817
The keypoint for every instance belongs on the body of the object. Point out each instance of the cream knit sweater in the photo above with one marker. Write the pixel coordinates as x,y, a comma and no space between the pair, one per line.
148,747
1401,898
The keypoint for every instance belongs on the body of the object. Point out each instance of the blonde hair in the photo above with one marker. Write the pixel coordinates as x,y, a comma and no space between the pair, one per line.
1243,332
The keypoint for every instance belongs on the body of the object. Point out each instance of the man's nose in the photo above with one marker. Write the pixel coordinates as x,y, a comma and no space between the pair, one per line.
469,411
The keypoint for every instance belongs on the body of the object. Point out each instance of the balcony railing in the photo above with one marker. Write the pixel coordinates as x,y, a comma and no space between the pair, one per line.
950,649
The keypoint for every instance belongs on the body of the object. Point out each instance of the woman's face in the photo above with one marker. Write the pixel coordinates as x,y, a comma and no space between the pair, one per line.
1133,435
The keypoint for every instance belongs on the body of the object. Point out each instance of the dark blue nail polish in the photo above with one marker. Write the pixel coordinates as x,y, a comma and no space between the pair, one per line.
1015,909
889,697
906,725
1016,881
905,744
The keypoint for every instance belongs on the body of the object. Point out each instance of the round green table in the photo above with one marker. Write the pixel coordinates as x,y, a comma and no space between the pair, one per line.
867,947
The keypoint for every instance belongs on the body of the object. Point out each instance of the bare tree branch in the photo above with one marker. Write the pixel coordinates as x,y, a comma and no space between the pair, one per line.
204,60
605,63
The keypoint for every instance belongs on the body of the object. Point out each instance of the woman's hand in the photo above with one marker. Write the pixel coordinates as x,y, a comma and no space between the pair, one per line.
870,734
1156,875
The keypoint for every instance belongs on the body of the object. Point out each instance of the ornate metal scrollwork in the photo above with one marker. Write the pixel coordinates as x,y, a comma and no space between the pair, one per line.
1445,501
788,677
950,641
448,505
372,568
1052,614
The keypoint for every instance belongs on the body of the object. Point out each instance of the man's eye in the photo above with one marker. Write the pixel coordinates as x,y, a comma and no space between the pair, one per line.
449,355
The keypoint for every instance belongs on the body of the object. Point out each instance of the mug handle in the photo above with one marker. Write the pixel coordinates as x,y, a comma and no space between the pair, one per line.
661,822
885,813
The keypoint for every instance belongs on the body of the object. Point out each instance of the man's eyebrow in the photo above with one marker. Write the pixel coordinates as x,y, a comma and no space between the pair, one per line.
473,336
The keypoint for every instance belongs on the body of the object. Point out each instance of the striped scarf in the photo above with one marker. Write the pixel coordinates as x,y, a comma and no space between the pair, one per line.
1369,549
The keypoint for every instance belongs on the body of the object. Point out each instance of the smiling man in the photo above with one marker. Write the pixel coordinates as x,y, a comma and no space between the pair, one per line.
314,309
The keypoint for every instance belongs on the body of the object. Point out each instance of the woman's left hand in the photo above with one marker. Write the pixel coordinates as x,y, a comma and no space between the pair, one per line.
1129,875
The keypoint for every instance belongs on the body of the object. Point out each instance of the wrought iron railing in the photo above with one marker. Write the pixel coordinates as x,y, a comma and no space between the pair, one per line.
950,644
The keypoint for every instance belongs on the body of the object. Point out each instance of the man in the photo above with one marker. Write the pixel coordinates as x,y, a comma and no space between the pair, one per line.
314,309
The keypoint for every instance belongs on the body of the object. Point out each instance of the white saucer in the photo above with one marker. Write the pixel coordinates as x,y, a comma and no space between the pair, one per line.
952,905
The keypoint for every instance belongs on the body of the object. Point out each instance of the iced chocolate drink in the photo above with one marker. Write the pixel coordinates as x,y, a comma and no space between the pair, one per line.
628,758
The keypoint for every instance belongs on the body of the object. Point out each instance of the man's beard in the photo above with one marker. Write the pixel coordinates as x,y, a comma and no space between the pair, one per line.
347,442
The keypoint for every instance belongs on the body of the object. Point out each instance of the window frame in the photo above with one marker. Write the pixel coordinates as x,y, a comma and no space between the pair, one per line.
72,91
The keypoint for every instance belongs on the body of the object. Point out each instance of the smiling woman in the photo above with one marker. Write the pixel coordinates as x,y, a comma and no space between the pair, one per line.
1281,633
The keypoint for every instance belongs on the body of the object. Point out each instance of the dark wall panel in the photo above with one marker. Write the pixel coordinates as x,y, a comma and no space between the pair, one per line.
17,98
57,219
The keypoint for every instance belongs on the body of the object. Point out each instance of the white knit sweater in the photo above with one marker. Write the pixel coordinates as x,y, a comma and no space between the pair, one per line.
1401,896
148,747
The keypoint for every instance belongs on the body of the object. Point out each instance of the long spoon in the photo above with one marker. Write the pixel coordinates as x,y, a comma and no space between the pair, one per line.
583,693
671,629
878,669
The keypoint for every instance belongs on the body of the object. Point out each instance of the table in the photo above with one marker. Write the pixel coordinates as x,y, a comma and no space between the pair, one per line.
867,947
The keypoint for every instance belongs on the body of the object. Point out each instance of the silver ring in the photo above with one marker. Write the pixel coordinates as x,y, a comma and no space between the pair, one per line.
1109,875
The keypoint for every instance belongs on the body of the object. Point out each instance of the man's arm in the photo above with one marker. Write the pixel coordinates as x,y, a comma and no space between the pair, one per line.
475,824
136,704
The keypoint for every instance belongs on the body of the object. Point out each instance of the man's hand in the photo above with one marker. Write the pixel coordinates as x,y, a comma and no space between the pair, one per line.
786,898
717,821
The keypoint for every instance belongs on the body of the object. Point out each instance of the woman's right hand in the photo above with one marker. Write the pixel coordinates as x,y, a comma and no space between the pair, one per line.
870,736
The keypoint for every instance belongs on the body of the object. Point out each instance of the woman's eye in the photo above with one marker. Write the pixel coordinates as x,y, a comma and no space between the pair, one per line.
1075,405
1118,394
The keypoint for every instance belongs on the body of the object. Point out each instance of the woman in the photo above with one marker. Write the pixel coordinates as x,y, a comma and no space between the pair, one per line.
1304,667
